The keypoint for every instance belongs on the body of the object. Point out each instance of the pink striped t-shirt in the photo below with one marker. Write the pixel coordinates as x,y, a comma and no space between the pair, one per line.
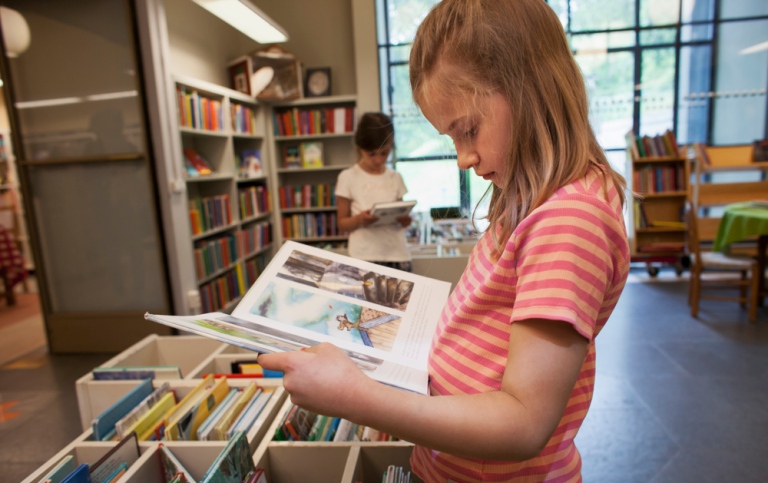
568,261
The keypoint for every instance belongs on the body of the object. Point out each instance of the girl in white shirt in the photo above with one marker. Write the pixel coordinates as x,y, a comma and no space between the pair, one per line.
369,182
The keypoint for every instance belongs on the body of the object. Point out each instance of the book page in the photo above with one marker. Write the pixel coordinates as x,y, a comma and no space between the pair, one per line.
383,318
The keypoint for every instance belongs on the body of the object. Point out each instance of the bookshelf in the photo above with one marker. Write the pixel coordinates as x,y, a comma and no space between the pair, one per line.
659,172
304,197
332,462
229,194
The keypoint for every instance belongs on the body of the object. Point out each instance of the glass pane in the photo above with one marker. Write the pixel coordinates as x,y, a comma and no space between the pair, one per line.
694,33
442,188
698,10
602,14
414,135
742,8
659,12
94,109
477,188
401,53
610,88
741,77
100,249
560,8
610,40
658,36
693,88
657,79
404,17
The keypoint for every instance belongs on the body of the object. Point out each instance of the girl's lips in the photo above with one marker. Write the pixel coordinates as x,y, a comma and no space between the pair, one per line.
487,176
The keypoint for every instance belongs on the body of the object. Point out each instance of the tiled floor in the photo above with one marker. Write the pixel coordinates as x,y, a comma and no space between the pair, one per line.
677,399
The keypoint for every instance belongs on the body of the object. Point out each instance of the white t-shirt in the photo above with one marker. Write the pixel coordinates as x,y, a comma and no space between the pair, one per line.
376,243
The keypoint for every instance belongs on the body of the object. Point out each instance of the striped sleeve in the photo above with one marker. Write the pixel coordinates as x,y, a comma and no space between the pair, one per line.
566,261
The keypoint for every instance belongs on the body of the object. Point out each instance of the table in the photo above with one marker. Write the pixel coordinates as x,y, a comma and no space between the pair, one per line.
741,221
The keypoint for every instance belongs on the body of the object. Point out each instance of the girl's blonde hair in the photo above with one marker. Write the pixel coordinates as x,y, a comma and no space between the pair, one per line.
517,48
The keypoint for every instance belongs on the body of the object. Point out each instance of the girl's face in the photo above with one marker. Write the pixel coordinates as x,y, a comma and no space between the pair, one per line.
375,161
479,125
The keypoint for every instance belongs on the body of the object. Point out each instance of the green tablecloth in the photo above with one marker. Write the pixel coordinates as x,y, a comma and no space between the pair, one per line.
740,221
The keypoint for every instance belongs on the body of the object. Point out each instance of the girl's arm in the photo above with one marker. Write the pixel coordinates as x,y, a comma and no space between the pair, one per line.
345,221
513,424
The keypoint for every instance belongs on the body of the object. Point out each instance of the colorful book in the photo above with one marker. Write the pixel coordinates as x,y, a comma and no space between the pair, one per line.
185,428
205,429
124,425
82,474
122,373
197,161
227,419
104,424
311,155
64,467
233,464
116,461
182,409
250,413
145,426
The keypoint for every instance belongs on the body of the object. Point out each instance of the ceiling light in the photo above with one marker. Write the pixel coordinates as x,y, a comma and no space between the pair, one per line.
245,17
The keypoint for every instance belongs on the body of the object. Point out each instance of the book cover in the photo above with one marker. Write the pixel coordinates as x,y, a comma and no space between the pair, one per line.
122,427
291,157
146,425
250,414
82,474
388,213
221,427
185,406
205,429
104,424
251,165
233,463
117,460
64,467
185,427
308,295
311,155
197,161
171,466
119,373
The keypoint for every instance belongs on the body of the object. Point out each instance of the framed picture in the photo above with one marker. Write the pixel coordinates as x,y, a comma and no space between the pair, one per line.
240,75
317,82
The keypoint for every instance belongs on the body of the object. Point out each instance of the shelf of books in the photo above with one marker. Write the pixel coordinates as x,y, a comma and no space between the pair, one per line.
222,135
313,143
659,174
182,404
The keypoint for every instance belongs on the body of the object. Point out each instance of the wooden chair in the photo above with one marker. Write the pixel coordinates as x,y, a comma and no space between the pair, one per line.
715,262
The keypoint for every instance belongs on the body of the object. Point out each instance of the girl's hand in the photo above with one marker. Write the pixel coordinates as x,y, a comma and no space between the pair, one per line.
365,218
405,220
322,379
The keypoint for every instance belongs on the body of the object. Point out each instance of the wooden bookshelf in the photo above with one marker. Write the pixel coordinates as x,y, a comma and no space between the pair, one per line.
230,208
309,216
659,173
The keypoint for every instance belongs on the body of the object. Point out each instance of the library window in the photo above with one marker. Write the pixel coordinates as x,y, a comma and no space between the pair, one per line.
699,67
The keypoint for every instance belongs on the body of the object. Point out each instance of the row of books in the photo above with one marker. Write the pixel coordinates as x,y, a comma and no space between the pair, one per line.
307,196
243,119
222,252
302,122
300,424
646,146
642,220
212,411
254,200
208,213
304,155
659,179
233,464
198,112
305,225
219,292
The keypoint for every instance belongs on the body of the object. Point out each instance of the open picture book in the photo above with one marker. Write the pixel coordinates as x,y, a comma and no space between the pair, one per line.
383,318
388,213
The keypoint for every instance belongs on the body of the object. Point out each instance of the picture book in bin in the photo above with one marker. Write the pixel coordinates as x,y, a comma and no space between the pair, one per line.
383,318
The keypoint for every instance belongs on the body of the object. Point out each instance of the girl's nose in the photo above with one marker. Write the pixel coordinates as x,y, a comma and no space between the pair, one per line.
467,160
